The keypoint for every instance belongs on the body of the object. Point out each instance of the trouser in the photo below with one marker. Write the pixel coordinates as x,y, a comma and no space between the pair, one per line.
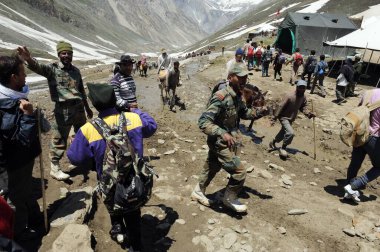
264,69
220,156
286,134
350,89
308,78
250,62
320,79
294,74
131,226
340,92
372,148
163,76
66,115
277,70
172,94
20,188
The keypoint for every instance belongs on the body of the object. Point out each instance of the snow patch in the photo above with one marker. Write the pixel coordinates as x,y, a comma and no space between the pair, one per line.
314,7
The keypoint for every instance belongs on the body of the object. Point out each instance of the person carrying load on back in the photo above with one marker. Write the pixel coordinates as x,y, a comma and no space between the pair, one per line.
309,67
346,76
267,59
319,75
278,61
297,61
96,141
165,64
371,147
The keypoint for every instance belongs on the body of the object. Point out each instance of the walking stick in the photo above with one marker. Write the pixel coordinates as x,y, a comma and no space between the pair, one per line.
42,170
315,145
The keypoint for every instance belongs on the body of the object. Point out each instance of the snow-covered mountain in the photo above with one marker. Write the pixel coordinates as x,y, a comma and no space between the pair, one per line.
102,28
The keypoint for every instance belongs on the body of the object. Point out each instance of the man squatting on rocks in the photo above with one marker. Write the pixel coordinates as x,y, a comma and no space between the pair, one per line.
287,113
19,146
67,92
372,148
219,122
88,144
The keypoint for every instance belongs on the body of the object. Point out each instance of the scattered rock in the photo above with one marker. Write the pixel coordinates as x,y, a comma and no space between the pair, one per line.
250,169
207,243
63,191
349,231
297,211
75,237
161,141
276,167
229,239
329,168
211,221
205,147
284,176
169,152
197,231
316,171
202,208
313,183
266,161
196,240
74,208
180,221
282,230
327,131
287,182
265,174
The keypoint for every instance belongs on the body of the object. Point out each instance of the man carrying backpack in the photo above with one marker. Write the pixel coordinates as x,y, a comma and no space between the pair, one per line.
278,61
319,75
297,61
90,144
309,68
250,53
267,59
371,147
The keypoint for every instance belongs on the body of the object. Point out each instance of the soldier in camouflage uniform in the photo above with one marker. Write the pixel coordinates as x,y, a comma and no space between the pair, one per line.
219,122
67,91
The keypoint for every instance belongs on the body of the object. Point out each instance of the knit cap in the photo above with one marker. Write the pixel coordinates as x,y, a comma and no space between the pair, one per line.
64,46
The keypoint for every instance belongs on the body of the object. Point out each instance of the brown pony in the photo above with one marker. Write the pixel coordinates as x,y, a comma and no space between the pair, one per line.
143,69
254,98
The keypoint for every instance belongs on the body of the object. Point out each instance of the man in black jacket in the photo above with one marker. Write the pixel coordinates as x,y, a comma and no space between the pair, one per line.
19,143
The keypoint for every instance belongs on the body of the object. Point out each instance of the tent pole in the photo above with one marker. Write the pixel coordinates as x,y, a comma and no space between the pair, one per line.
369,62
377,83
333,64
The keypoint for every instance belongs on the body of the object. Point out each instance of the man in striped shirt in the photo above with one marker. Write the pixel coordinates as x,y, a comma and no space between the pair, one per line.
124,85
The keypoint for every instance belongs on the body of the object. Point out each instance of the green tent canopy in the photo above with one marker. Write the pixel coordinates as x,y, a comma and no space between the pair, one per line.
308,31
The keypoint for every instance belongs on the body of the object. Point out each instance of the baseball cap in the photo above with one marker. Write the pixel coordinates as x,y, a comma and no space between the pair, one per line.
239,51
301,83
239,69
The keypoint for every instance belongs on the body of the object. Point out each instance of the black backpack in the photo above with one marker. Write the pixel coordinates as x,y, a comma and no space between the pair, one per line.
313,63
127,180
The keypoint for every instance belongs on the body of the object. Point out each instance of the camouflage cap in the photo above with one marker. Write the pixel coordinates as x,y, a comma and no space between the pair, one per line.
238,69
64,46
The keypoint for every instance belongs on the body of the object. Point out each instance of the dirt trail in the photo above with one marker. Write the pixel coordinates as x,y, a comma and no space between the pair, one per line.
172,222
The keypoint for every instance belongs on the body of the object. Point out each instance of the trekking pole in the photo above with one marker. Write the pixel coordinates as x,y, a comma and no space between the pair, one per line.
315,144
42,170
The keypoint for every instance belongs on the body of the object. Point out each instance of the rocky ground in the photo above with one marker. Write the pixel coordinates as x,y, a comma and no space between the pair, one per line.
293,205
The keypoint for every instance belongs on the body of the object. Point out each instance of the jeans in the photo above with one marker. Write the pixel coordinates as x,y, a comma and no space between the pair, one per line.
372,148
264,69
286,133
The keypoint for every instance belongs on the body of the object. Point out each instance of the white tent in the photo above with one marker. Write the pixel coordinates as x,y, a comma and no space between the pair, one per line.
366,37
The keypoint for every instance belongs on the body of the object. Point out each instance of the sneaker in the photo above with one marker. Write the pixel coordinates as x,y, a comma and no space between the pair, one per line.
351,194
283,153
235,205
198,195
57,173
117,234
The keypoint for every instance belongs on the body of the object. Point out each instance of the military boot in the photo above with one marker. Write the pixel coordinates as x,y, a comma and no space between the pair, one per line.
198,194
57,173
231,200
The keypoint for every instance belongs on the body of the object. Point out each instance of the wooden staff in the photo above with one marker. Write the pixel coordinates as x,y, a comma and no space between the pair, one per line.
42,170
315,143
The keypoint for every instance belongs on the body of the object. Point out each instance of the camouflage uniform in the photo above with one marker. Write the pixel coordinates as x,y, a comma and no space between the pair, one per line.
67,91
220,117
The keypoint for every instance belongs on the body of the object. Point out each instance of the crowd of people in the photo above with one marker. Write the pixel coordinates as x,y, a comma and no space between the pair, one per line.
114,139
